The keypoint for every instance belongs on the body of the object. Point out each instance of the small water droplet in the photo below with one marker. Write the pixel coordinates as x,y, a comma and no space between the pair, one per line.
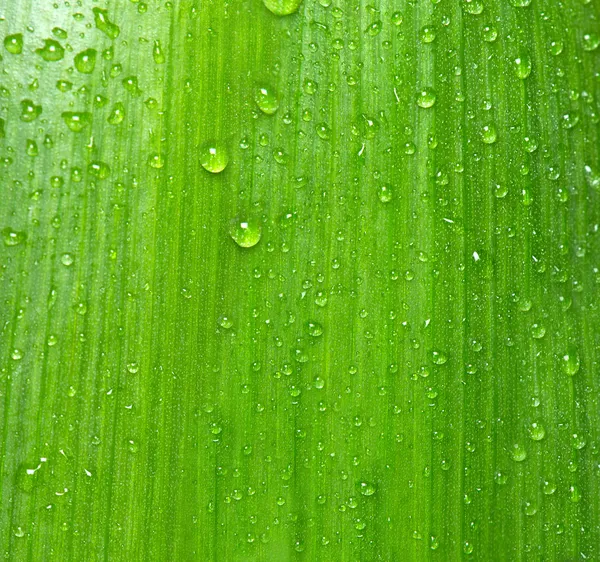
489,134
536,431
99,169
157,53
117,114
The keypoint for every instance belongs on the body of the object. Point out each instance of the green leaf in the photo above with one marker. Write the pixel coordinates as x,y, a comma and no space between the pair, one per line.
320,286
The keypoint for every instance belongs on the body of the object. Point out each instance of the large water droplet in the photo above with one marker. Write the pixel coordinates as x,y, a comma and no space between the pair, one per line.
52,51
245,232
104,24
214,157
266,100
85,62
282,7
426,98
77,120
29,111
12,237
570,361
14,43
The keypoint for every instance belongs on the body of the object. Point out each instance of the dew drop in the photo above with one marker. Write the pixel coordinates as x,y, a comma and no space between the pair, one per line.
52,50
12,237
367,488
14,43
266,100
536,431
282,7
77,120
570,361
245,232
29,111
85,62
99,169
314,329
384,193
104,24
426,98
591,41
214,157
489,134
522,66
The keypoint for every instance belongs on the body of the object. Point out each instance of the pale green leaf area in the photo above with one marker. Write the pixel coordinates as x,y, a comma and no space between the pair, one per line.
320,286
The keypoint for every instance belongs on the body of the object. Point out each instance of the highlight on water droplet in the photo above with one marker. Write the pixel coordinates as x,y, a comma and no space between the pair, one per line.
214,157
14,43
282,7
426,98
266,100
245,232
85,62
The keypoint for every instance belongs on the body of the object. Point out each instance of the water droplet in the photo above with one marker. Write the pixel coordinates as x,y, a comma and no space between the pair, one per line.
489,134
374,28
314,329
536,431
99,169
156,161
266,100
570,361
13,237
591,41
397,18
426,98
66,259
522,66
157,53
367,488
490,33
439,357
29,111
214,157
52,50
225,322
384,193
245,232
85,62
518,453
520,3
473,7
538,331
427,34
104,24
14,43
549,487
282,7
77,120
117,114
